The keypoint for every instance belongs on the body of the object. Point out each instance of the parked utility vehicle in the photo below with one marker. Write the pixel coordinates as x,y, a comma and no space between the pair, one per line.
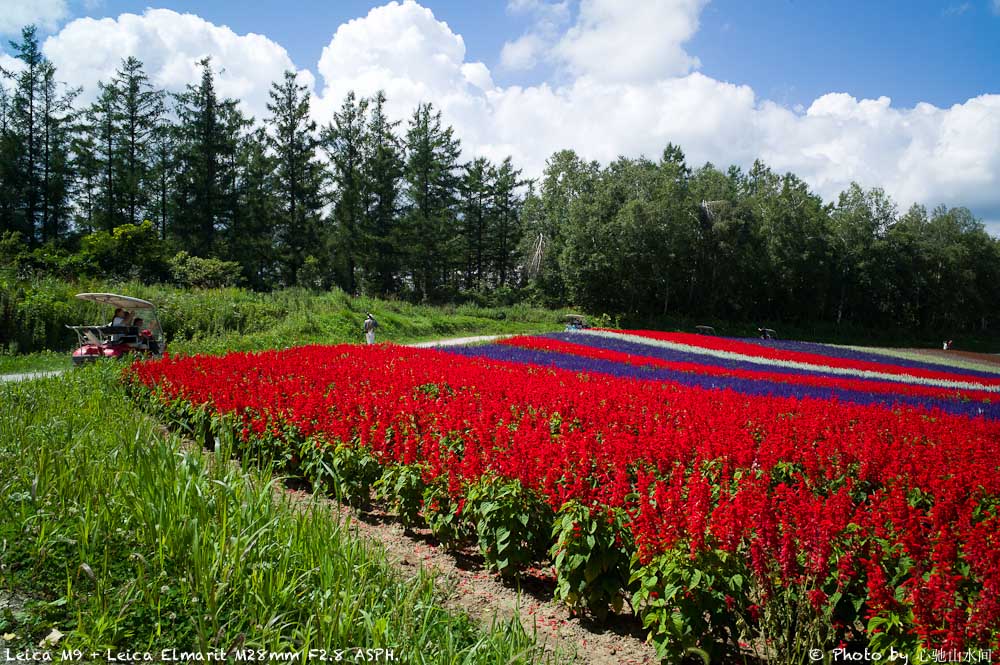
133,329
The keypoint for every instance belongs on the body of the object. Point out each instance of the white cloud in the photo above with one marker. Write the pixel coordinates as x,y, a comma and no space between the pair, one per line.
170,45
631,41
45,14
924,154
10,63
536,44
402,49
643,96
996,7
522,53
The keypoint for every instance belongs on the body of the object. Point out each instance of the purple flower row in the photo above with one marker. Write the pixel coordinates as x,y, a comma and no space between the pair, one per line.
672,355
852,354
745,386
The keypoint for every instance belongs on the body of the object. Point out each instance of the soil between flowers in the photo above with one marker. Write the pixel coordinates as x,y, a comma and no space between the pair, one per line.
467,586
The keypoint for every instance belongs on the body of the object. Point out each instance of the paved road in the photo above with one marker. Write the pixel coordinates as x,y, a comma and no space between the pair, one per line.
30,375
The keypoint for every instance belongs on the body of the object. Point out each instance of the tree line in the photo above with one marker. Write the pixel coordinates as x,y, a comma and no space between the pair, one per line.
186,187
149,184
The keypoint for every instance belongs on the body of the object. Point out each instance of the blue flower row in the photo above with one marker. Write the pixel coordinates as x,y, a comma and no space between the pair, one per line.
745,386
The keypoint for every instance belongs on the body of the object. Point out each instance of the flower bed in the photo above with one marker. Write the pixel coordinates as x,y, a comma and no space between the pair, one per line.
729,521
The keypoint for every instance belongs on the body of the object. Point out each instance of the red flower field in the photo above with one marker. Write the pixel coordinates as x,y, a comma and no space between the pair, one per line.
727,519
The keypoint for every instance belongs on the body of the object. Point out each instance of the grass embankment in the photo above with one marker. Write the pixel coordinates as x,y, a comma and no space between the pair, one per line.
121,539
33,362
33,317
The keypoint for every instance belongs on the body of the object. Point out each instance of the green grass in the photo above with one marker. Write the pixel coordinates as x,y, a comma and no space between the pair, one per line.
123,539
33,362
34,315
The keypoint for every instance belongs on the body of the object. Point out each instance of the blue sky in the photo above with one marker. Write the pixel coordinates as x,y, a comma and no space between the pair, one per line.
791,52
903,95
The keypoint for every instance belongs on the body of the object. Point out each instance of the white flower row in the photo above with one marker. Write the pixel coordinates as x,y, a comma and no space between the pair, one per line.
952,362
770,362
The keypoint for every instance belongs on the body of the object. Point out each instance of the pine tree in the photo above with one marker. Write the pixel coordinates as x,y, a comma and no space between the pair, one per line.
57,129
140,109
8,157
383,171
208,133
431,190
162,146
298,178
26,135
477,214
34,146
102,126
507,233
344,142
252,240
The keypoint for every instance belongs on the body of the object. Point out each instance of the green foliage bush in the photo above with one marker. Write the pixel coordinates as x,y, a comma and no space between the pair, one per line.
131,251
512,523
444,516
196,272
342,470
402,488
34,313
591,556
686,601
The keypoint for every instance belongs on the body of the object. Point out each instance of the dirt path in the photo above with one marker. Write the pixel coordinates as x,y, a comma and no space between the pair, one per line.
468,587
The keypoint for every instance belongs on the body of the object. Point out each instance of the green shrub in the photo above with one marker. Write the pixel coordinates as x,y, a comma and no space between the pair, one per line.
513,523
342,470
194,271
402,487
591,555
690,604
444,515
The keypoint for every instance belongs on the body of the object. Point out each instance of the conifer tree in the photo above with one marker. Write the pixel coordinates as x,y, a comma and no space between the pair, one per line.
344,142
507,233
208,133
298,180
477,213
383,171
432,238
140,109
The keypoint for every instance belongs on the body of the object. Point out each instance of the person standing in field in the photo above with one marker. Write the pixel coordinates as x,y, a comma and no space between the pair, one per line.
370,325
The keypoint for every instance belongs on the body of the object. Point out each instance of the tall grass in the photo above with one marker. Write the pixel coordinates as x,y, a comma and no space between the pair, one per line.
33,316
123,539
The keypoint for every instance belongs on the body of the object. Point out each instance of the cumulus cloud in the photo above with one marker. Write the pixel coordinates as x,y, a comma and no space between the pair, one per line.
522,53
45,14
535,45
403,49
631,41
9,63
170,46
617,95
641,100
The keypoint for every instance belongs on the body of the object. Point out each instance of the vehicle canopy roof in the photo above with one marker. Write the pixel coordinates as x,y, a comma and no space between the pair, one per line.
575,317
115,300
